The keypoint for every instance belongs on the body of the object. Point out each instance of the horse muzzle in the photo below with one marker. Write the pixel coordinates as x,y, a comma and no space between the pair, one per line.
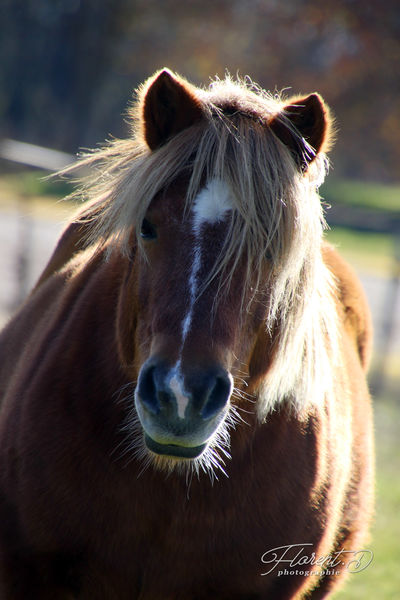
180,412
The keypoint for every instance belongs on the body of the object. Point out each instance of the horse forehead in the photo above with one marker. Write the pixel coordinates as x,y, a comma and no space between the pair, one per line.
210,206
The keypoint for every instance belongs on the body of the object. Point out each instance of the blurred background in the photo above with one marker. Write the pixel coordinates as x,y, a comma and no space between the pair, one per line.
68,69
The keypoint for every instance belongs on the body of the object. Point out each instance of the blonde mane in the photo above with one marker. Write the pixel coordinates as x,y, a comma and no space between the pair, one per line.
277,211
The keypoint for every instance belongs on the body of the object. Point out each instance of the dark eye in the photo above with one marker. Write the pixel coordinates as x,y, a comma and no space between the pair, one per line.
148,231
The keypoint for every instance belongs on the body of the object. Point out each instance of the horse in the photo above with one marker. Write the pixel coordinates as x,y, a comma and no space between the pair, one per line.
184,406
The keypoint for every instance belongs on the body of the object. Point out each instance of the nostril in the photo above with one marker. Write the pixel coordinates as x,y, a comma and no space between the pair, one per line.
147,390
204,394
218,396
165,397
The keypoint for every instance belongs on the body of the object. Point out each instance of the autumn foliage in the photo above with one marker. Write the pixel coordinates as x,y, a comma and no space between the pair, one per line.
69,66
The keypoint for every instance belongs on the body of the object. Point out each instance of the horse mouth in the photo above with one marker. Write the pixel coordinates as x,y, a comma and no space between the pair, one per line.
173,450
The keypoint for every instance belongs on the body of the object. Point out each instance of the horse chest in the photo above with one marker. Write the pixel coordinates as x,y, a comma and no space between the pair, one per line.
170,533
181,550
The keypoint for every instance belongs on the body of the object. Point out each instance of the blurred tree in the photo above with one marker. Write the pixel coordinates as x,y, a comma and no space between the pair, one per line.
55,55
68,66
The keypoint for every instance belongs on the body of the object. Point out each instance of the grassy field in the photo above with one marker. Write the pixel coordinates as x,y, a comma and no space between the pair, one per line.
359,193
371,252
374,253
35,184
366,251
381,580
37,195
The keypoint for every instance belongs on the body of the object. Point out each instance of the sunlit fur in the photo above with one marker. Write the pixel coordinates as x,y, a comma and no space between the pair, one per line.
277,210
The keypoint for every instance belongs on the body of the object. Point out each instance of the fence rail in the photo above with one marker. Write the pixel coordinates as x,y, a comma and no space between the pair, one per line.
34,156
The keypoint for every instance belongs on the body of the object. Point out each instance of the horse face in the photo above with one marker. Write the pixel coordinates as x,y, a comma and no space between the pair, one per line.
191,338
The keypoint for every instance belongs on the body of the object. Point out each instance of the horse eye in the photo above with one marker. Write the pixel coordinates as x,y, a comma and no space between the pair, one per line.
148,231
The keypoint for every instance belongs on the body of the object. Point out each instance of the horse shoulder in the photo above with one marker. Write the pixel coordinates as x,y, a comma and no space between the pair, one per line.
41,303
352,302
68,246
59,286
18,338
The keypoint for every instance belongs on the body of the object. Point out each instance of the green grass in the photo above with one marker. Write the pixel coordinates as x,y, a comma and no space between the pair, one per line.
382,578
368,251
375,252
32,193
37,183
365,251
360,193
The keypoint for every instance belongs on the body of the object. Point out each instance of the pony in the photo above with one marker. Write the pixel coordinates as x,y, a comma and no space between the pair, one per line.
184,406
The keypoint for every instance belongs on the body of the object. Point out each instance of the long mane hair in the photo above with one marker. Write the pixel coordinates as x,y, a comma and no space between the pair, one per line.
277,213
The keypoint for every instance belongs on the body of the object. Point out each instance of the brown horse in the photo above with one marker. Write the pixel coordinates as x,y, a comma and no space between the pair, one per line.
184,411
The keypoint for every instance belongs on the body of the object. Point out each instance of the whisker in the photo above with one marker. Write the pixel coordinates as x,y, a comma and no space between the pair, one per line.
244,395
132,448
117,396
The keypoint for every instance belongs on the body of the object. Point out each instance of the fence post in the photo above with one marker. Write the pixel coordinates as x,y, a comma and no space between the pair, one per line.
389,318
24,250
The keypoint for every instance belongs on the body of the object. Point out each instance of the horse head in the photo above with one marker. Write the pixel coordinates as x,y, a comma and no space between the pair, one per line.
201,285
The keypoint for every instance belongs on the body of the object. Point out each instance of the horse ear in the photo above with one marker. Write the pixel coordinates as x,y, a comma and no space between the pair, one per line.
304,119
169,106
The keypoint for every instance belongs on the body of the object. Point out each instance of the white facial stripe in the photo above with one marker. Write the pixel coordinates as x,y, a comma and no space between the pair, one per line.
211,204
192,291
182,399
210,207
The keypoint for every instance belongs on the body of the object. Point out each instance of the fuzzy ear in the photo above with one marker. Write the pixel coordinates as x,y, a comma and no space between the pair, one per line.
169,106
309,118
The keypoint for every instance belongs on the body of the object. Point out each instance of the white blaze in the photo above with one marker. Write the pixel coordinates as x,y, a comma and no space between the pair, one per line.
176,385
211,204
210,207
